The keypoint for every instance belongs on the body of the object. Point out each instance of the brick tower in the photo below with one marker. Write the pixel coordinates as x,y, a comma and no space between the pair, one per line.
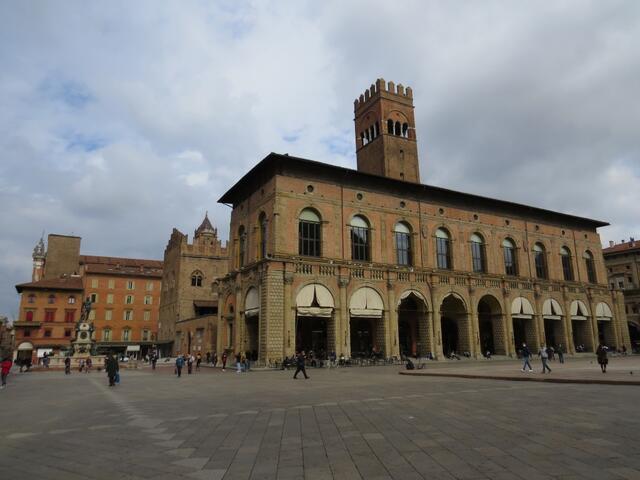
385,132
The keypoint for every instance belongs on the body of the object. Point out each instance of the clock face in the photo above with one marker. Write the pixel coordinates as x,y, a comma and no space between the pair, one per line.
83,335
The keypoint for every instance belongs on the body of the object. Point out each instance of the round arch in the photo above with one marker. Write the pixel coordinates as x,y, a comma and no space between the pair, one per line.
315,300
604,318
491,327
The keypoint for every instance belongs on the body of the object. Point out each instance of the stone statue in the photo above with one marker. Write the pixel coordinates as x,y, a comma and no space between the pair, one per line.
86,310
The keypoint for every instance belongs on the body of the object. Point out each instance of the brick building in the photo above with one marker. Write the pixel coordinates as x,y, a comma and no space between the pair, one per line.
326,258
623,268
124,293
189,301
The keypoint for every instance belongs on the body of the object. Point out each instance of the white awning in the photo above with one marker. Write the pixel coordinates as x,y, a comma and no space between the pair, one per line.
252,303
42,351
551,308
366,302
314,300
603,312
133,348
579,310
521,308
25,346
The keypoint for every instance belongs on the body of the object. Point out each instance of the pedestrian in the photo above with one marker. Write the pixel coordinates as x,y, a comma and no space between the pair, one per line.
238,363
601,352
111,366
81,367
224,360
154,360
179,365
208,357
526,353
543,353
214,358
560,352
5,367
88,365
67,366
247,361
300,366
198,362
190,364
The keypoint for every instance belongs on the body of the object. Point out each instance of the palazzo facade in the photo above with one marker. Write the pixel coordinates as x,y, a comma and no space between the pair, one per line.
371,262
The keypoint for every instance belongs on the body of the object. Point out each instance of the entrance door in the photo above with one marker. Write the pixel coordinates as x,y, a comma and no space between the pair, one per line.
550,332
486,336
519,332
362,335
311,334
449,336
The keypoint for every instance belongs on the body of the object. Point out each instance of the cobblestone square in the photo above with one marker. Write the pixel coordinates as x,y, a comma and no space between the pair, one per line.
349,423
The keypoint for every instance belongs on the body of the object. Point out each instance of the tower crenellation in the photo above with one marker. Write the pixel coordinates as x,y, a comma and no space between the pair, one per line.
385,131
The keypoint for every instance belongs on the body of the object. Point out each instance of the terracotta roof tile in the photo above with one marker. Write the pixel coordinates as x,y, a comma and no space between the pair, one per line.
623,247
62,283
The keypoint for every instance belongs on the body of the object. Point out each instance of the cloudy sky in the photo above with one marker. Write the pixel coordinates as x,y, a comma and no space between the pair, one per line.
121,120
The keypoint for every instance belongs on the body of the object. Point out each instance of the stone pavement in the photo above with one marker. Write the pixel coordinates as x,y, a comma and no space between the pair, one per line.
585,369
360,422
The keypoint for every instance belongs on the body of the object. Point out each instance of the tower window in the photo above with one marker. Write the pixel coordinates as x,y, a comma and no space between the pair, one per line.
376,129
390,127
364,140
478,253
402,235
510,261
196,279
567,269
405,130
309,233
443,249
540,260
360,239
398,129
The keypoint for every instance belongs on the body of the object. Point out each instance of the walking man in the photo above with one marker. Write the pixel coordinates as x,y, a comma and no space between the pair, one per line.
526,353
300,366
179,365
189,364
198,362
560,353
544,356
224,360
601,352
67,366
111,366
5,366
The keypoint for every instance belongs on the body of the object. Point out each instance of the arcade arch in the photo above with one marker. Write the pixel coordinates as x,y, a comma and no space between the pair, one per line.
581,327
524,330
454,326
554,327
315,326
491,327
366,324
604,317
414,338
252,321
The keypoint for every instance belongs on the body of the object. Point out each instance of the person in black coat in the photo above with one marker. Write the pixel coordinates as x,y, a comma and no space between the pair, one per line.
300,366
111,366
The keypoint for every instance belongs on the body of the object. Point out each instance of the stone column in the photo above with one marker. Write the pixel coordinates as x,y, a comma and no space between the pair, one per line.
593,320
510,341
568,327
537,318
342,322
436,324
238,330
392,348
619,320
473,326
288,330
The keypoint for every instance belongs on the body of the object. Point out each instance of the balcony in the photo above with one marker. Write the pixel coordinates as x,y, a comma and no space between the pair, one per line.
23,323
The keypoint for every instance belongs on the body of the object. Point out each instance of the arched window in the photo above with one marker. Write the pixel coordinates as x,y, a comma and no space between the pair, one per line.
510,259
71,300
390,127
405,130
591,267
567,269
262,224
31,298
242,243
366,135
360,239
196,279
372,132
540,260
51,299
309,233
478,253
402,234
398,129
443,249
364,140
29,316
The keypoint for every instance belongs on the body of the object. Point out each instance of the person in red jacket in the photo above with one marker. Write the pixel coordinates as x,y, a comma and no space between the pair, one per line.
5,366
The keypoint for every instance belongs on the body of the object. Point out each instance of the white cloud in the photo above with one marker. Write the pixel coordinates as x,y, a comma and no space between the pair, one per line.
120,120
